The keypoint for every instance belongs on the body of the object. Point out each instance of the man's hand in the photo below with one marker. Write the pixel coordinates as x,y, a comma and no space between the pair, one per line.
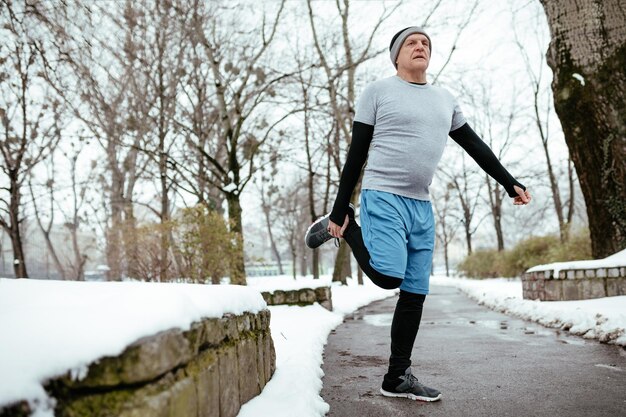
335,230
522,198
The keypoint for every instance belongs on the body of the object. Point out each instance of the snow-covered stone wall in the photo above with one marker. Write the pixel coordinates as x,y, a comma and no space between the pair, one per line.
576,280
209,370
574,284
302,297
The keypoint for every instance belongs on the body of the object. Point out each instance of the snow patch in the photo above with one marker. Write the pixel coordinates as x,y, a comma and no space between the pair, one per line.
300,334
614,261
579,78
51,327
603,319
80,322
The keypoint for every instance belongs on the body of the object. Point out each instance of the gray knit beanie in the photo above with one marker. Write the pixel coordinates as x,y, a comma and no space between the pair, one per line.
399,38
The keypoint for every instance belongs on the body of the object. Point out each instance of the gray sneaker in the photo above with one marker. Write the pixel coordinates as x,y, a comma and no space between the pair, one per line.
412,389
317,233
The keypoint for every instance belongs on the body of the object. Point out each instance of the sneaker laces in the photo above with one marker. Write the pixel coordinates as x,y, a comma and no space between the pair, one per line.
410,378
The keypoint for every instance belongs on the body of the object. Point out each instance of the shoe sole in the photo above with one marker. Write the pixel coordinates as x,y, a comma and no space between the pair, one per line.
410,396
306,234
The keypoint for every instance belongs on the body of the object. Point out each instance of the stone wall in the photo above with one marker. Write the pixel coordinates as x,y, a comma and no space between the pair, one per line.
302,297
574,284
207,371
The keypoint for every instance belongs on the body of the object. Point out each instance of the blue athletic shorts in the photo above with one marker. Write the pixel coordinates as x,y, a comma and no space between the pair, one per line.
399,233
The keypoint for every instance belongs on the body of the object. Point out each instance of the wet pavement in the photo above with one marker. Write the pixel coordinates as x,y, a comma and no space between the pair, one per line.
485,363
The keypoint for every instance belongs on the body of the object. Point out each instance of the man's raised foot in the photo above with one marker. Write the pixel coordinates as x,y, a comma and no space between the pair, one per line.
317,234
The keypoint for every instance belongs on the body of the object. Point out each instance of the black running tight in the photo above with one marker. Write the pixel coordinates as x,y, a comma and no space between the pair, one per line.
408,312
354,237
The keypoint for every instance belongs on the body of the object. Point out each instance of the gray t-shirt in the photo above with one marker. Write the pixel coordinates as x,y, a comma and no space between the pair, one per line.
411,125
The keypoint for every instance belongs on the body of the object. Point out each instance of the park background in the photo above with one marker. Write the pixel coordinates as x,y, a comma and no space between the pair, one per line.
198,140
158,145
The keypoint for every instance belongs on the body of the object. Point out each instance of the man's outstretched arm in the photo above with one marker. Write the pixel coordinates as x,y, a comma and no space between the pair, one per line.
482,154
357,155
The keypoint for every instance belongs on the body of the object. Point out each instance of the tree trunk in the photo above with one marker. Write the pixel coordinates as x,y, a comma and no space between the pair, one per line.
315,263
237,269
554,185
164,231
294,259
130,241
445,255
19,262
303,262
587,54
468,237
55,258
268,224
45,231
116,229
79,259
340,261
570,203
495,201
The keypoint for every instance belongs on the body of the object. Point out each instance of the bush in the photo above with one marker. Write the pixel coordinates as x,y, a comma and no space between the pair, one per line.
481,264
576,248
527,253
207,247
536,250
201,247
147,258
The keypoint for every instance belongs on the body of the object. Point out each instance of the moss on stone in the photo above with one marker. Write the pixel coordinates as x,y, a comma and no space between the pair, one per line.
171,394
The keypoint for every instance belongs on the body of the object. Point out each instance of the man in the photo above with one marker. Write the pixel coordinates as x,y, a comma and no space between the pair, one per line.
401,124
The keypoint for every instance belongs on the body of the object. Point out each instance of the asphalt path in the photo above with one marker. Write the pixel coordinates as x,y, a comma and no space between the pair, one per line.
485,364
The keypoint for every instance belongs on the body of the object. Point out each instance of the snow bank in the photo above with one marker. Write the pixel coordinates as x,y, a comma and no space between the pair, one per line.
299,335
50,327
616,260
601,318
286,283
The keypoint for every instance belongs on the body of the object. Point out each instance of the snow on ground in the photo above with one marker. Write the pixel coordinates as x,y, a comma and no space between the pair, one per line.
50,327
78,322
616,260
299,335
286,282
601,318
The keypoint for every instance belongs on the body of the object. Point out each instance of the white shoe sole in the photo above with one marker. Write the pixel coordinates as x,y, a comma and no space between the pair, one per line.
309,229
410,396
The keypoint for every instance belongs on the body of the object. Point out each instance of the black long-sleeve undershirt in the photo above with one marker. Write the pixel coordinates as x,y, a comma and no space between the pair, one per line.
357,155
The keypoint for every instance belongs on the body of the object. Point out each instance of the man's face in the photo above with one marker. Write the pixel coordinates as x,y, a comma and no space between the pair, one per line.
415,53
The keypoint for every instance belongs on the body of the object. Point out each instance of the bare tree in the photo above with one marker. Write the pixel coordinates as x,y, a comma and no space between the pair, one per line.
46,211
95,75
269,194
589,87
496,125
542,108
467,186
161,53
74,214
291,210
28,133
340,83
316,143
445,228
196,119
243,84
